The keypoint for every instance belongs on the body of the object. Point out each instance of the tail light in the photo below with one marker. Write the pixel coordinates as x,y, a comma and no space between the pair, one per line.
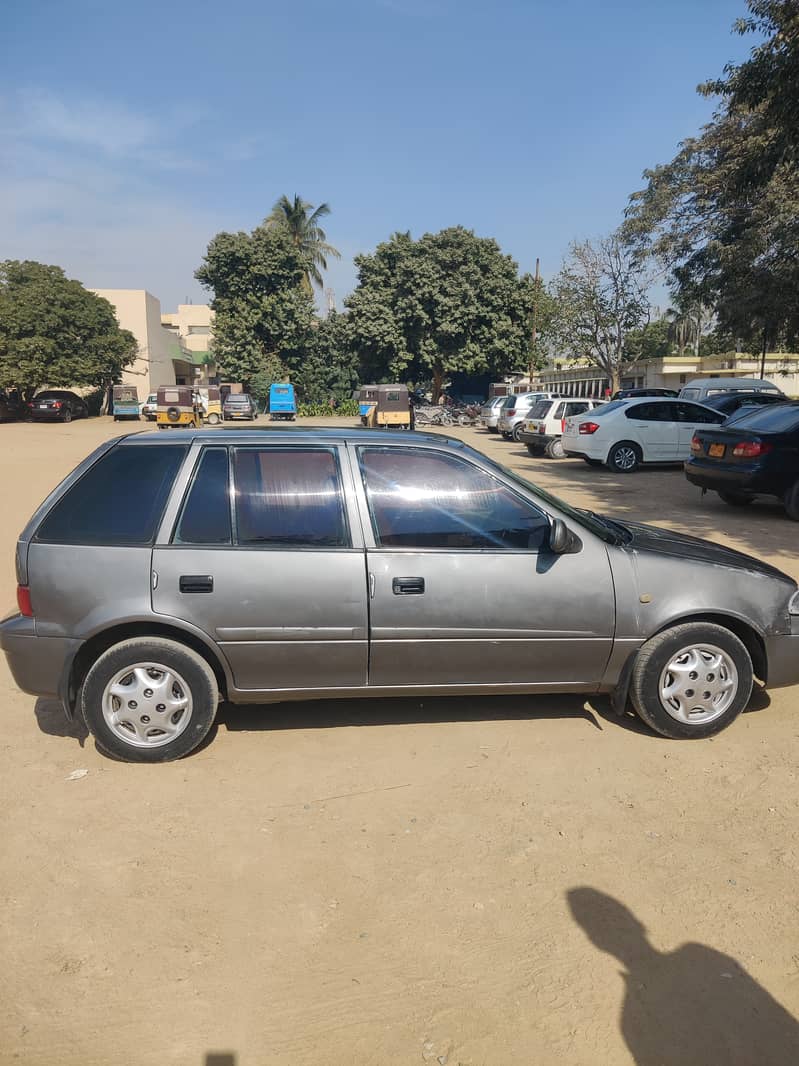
696,444
24,601
588,427
542,428
751,449
56,403
511,413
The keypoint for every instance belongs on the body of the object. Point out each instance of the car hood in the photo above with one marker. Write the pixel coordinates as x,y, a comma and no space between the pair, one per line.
665,542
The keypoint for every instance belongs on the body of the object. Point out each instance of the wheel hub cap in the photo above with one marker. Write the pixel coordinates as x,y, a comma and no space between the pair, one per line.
625,457
147,705
698,684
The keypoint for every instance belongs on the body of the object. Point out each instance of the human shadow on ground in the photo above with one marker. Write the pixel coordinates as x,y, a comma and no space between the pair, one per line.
693,1006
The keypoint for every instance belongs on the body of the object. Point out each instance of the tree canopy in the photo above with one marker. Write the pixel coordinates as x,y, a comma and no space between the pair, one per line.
449,302
602,307
55,332
263,313
301,221
723,215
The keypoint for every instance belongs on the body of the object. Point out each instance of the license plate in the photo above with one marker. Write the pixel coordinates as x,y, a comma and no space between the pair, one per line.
532,427
716,451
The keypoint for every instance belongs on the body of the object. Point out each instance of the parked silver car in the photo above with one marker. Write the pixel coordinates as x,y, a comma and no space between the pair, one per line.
489,413
166,574
516,410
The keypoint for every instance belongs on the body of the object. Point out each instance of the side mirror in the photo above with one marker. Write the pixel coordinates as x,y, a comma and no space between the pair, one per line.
561,539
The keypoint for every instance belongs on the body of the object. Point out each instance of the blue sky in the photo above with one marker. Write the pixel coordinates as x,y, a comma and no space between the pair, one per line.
130,134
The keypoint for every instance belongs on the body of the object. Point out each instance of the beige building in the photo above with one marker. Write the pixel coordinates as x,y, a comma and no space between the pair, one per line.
192,324
161,358
581,378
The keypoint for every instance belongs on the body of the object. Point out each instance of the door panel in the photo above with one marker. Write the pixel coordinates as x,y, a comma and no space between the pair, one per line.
464,590
284,619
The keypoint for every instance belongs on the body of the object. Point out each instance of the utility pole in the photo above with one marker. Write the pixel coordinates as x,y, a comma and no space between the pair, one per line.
534,336
763,354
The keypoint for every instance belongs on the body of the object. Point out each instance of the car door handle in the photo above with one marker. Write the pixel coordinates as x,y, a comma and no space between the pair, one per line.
196,583
408,586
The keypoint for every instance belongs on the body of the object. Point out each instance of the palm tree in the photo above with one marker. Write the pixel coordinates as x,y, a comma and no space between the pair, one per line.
301,221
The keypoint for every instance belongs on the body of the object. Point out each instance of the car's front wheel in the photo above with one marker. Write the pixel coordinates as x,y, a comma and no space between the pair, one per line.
149,699
691,681
624,457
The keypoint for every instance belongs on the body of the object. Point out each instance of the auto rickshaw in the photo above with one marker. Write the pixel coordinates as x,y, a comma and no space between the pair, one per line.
125,402
179,406
393,407
212,404
282,402
367,402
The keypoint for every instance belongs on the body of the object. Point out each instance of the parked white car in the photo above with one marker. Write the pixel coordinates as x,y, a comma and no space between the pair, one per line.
515,410
625,433
544,426
489,413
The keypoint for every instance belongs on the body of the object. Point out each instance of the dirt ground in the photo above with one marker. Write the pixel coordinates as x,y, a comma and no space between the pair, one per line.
483,882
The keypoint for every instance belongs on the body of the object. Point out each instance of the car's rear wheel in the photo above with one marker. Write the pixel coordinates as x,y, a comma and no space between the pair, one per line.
67,416
213,419
791,502
555,449
624,457
149,699
736,499
517,432
691,681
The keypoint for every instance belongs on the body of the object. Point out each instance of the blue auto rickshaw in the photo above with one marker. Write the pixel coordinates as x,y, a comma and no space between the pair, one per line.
125,402
282,402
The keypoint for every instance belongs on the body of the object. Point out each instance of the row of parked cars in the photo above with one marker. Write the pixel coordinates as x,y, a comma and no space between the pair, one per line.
739,437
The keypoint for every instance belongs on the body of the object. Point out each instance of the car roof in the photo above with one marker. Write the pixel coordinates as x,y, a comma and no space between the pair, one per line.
291,435
753,383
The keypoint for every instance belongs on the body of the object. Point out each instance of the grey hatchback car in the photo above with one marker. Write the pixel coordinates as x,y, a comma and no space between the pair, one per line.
261,566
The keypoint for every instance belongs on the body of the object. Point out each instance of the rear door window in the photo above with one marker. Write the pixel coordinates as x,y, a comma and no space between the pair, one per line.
694,412
205,518
289,498
119,500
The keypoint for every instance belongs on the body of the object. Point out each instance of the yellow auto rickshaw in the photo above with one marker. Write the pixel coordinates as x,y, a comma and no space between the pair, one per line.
393,407
179,407
212,404
367,402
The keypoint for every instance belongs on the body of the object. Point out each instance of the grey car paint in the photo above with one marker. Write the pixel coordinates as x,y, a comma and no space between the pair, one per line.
296,624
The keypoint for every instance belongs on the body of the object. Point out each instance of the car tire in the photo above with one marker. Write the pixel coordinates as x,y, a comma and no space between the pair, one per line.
506,436
663,701
213,419
735,499
517,431
624,457
126,736
555,449
791,502
67,416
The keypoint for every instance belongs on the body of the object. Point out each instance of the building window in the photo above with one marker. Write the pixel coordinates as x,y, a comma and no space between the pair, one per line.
202,331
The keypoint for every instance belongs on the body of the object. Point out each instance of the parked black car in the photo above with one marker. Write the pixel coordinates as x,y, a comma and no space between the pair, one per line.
730,402
57,405
756,455
11,407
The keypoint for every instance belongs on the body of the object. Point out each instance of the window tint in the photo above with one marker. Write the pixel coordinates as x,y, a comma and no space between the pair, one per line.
652,412
693,412
421,499
289,497
558,412
608,408
540,409
119,500
577,409
205,518
776,418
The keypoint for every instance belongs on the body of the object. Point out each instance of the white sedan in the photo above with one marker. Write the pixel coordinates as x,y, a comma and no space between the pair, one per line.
625,433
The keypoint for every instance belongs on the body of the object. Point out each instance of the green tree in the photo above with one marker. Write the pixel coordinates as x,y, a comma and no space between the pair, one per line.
55,332
601,306
263,313
301,221
329,366
448,303
723,215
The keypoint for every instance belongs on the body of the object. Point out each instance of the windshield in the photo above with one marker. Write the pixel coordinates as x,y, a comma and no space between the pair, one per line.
775,418
509,401
689,394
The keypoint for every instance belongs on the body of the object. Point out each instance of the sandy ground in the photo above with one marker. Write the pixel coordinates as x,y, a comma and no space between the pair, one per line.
397,882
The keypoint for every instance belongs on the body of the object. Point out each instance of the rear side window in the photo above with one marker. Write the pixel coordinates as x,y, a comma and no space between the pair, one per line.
289,497
422,499
540,409
205,518
776,418
119,500
689,394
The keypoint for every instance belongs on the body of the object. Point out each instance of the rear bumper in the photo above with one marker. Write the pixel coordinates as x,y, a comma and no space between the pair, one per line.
38,664
728,478
534,438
